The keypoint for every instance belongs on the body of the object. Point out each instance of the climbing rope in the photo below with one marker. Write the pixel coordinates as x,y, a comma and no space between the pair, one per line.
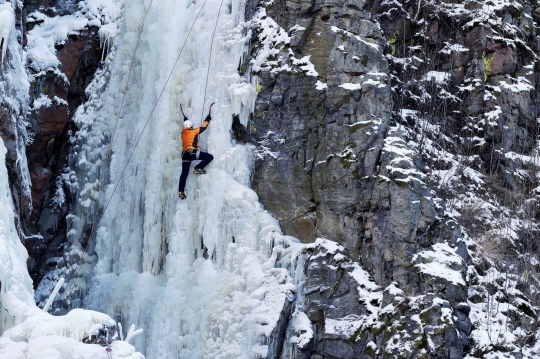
109,150
209,60
96,223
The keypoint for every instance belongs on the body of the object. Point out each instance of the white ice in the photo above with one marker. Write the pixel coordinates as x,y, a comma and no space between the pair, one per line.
7,20
27,331
196,275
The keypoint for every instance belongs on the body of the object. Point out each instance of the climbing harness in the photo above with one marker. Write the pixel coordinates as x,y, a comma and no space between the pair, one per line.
96,223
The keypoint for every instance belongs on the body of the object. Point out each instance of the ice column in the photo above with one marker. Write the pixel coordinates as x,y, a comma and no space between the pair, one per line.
7,19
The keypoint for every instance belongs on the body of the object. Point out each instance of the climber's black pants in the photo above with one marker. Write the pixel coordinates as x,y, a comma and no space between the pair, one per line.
187,157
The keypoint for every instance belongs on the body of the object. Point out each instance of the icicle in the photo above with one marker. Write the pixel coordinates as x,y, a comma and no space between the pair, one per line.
53,295
106,34
7,19
132,333
243,96
121,331
272,261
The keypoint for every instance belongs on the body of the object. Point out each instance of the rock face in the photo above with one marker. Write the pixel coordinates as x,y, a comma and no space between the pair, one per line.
329,138
353,317
56,95
404,146
332,162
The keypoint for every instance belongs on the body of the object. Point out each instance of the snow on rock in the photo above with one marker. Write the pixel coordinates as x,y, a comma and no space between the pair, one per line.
306,65
324,252
350,86
321,85
7,21
449,48
326,247
358,38
301,326
43,336
439,261
51,31
401,158
272,52
343,327
41,53
437,76
397,322
104,11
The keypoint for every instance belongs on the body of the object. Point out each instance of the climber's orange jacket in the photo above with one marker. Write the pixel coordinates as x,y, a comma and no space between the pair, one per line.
190,136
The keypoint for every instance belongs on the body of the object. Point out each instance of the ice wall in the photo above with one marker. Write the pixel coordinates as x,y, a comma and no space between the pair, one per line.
14,88
16,282
197,275
7,20
27,331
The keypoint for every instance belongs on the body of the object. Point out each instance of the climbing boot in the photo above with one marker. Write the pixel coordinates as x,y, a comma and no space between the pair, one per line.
199,171
182,195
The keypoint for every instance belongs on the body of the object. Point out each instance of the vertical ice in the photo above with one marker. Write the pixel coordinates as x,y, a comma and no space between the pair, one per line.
194,274
16,282
7,20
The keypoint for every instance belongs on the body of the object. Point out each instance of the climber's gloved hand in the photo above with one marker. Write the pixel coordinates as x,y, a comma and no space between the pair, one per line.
208,118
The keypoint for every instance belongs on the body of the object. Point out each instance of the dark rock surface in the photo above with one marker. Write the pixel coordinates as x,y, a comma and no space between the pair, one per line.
444,163
345,172
50,125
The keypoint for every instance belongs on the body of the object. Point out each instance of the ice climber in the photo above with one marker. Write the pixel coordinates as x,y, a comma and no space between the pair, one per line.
191,151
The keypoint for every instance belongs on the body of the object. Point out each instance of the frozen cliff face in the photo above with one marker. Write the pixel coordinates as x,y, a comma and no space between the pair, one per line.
406,132
27,332
62,55
13,108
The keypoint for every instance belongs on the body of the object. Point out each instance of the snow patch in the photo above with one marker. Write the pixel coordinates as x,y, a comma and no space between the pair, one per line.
321,85
350,86
438,263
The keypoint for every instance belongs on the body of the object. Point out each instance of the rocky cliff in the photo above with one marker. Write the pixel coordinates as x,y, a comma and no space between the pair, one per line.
58,78
407,132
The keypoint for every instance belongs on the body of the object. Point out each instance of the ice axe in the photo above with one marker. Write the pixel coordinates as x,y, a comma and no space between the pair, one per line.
183,114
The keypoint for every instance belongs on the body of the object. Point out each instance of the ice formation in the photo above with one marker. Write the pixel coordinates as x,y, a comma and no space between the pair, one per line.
7,20
27,331
197,275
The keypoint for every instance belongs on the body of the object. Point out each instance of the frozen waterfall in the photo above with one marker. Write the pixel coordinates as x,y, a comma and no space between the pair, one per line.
197,275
